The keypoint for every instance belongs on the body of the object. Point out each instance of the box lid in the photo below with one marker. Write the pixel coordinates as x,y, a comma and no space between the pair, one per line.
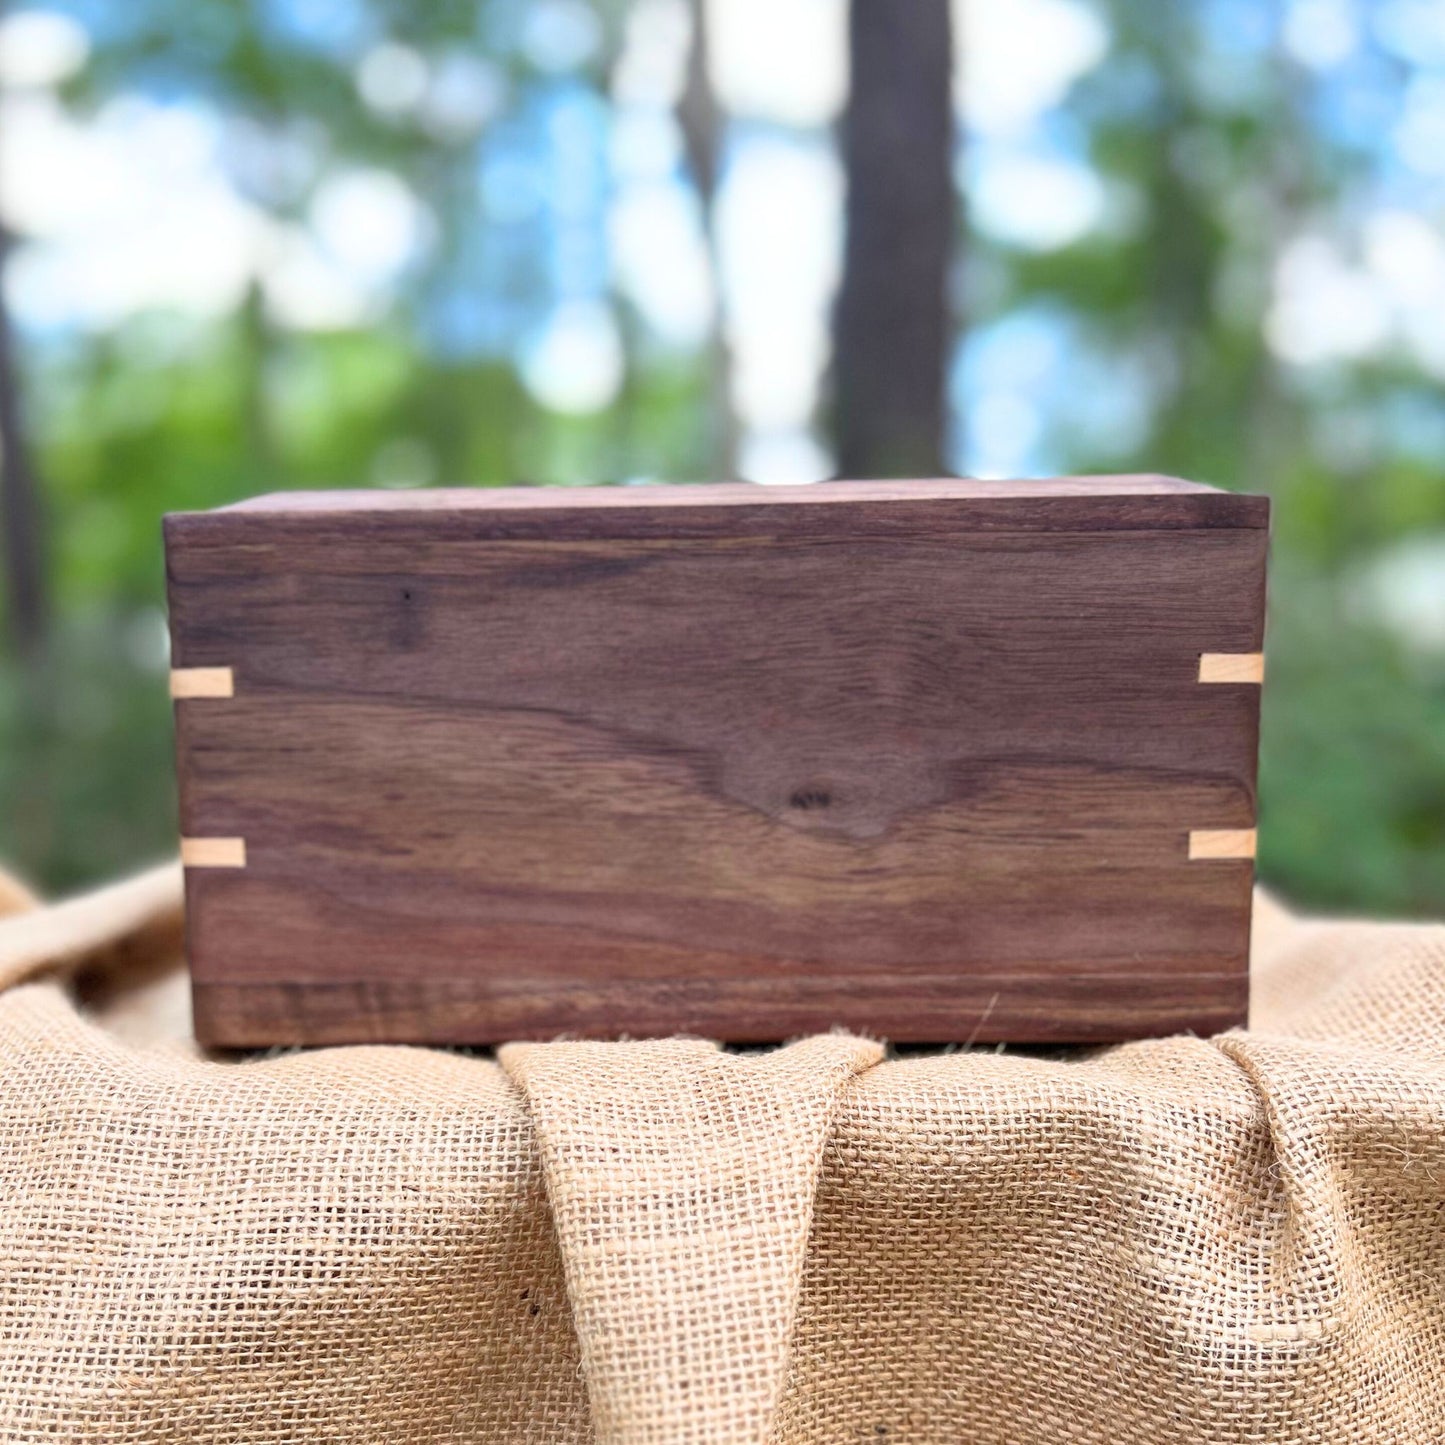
1122,503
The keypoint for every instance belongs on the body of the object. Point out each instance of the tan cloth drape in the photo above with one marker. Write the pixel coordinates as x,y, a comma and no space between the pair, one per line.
1229,1240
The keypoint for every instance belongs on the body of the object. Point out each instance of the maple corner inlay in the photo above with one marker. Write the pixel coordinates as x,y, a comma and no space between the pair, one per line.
1209,843
197,682
213,852
1243,667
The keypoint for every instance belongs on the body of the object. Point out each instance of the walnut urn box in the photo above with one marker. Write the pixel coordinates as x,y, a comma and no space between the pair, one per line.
935,761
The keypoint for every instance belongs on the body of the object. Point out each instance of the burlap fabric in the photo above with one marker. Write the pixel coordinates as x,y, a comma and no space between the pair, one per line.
1229,1240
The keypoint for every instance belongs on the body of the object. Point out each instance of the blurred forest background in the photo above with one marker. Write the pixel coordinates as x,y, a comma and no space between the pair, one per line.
255,244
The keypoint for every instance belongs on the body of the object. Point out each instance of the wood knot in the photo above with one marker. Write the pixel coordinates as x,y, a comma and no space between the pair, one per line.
810,797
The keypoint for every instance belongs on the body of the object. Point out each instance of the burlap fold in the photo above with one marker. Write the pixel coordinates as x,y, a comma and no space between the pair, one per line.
1237,1240
671,1167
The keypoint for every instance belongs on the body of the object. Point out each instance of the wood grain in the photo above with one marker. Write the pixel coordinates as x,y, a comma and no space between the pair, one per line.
917,759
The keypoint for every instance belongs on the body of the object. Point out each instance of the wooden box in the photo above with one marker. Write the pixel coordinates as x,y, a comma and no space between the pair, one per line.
943,760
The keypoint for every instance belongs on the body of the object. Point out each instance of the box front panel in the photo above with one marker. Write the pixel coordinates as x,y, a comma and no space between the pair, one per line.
935,788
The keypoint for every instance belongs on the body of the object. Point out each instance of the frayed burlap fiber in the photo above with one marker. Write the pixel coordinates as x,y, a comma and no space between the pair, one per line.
1232,1240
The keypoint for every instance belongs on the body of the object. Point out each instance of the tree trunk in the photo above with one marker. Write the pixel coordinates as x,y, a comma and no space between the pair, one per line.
891,326
702,122
21,522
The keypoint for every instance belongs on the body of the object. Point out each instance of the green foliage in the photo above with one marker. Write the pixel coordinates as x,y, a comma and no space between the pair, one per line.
86,788
1352,812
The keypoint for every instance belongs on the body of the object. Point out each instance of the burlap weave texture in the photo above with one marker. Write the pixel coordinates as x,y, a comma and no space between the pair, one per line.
1236,1240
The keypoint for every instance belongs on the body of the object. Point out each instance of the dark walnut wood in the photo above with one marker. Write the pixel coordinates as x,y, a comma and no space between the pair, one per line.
921,759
